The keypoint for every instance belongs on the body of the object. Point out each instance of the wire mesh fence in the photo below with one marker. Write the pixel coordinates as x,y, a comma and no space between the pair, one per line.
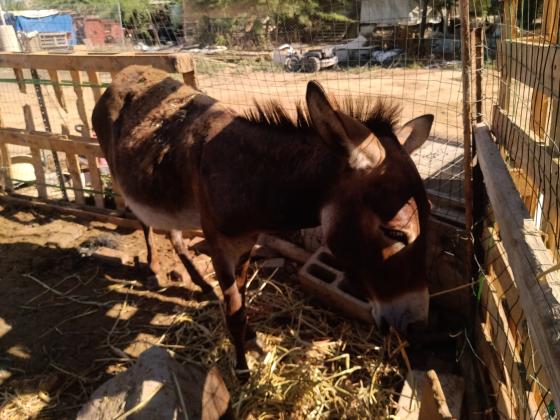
518,97
403,52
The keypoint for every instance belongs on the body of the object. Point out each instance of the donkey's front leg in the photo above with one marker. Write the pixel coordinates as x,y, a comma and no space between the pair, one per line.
231,259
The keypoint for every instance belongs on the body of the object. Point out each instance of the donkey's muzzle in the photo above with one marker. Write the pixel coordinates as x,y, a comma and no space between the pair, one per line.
407,313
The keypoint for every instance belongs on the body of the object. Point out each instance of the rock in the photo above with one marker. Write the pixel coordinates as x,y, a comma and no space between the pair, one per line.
150,389
112,256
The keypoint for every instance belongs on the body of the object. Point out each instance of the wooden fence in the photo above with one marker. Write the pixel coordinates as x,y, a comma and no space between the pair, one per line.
81,154
518,339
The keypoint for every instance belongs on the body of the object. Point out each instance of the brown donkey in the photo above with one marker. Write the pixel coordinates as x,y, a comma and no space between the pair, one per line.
184,161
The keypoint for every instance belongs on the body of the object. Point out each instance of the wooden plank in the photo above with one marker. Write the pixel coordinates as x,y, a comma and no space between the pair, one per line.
93,78
504,82
527,254
538,382
74,170
40,182
412,394
507,344
540,101
190,79
434,400
532,64
119,199
505,406
535,159
499,271
86,212
59,93
80,103
173,63
510,21
50,141
20,80
96,181
6,168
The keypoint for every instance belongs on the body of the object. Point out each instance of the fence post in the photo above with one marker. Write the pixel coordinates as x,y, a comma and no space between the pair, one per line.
46,122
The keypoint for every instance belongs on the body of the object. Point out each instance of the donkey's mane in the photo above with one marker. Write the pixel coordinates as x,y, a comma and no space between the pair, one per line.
378,115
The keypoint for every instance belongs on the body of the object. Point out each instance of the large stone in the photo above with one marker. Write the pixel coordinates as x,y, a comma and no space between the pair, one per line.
156,387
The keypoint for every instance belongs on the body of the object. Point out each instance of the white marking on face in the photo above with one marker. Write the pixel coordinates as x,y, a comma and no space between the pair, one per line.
403,310
359,160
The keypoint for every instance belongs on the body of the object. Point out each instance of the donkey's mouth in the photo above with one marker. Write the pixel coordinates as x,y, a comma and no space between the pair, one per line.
404,312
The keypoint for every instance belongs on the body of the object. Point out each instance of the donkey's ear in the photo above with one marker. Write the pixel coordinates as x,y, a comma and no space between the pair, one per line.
414,133
324,117
342,133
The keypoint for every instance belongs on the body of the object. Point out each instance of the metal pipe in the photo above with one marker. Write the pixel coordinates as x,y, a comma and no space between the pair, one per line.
467,132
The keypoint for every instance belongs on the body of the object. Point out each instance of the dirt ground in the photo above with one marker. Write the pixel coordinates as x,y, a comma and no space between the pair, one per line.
69,322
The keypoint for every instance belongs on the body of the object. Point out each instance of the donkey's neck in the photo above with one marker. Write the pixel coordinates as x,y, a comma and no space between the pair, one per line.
282,177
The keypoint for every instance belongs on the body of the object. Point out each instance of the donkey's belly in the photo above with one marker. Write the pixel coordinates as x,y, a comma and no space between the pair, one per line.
157,218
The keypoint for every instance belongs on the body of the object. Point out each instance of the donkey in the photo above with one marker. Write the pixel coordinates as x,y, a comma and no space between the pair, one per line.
185,161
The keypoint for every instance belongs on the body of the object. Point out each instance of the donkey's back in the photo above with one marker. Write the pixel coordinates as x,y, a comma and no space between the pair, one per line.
151,128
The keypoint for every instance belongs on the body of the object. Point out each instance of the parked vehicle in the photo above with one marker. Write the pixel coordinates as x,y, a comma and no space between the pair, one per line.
310,61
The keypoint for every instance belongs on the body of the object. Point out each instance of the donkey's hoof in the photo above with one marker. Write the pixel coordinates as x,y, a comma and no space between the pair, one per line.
152,282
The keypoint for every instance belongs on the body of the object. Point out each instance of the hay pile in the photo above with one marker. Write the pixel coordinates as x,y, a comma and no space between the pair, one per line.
318,364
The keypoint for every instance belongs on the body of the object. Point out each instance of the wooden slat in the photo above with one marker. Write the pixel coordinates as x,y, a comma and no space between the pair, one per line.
64,207
95,181
50,141
80,103
95,84
173,63
73,166
505,406
20,80
119,200
510,24
540,101
507,347
6,168
190,79
59,93
532,64
504,83
527,254
40,182
538,382
500,273
535,159
74,170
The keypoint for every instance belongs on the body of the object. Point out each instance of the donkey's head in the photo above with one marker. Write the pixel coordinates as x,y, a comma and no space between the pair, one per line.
375,217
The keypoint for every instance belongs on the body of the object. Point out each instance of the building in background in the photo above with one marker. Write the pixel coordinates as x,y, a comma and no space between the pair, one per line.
42,29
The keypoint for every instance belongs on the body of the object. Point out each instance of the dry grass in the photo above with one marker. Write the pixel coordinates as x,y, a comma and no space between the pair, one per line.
316,364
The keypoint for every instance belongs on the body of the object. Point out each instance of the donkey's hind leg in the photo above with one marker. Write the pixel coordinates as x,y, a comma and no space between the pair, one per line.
183,252
153,259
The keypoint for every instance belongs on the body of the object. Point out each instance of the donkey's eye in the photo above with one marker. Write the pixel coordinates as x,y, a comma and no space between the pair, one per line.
396,235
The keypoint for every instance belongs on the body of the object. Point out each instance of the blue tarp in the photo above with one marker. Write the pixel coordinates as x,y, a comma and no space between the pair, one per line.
60,22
